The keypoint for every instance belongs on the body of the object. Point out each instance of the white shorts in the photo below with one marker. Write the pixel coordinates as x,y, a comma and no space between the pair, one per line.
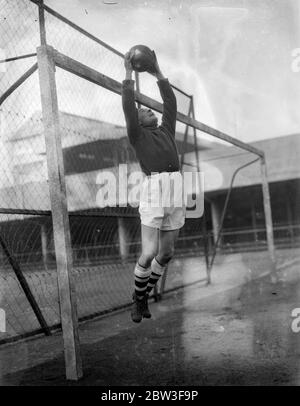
162,201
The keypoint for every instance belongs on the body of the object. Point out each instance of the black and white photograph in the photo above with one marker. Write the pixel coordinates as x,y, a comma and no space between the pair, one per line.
149,196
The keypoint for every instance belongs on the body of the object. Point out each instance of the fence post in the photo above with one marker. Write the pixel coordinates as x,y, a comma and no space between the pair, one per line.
185,137
203,221
268,217
42,22
137,85
60,219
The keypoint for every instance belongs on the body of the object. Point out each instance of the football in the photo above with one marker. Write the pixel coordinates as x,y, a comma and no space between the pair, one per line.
142,59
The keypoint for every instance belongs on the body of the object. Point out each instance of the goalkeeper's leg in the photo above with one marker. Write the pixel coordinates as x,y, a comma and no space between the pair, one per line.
167,240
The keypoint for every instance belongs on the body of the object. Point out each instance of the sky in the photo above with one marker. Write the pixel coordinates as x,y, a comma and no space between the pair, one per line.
235,56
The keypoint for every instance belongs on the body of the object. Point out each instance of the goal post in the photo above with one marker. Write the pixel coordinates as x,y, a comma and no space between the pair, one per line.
60,219
268,216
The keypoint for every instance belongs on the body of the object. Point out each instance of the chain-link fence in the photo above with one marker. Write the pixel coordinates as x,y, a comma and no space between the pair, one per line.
105,241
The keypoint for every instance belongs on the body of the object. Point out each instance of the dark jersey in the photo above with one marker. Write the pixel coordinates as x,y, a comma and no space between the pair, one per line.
155,147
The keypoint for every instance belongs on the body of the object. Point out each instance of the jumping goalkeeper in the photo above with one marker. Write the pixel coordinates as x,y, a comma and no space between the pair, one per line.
157,154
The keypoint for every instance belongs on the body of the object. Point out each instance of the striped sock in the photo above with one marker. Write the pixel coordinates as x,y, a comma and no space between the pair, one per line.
141,277
156,271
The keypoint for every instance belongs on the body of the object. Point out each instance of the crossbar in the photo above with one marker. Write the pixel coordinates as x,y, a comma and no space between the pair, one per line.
85,72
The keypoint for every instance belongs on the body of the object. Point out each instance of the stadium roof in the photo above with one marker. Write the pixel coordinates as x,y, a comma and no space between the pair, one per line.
219,164
85,130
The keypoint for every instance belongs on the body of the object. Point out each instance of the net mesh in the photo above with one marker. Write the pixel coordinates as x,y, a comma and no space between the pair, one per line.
105,242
